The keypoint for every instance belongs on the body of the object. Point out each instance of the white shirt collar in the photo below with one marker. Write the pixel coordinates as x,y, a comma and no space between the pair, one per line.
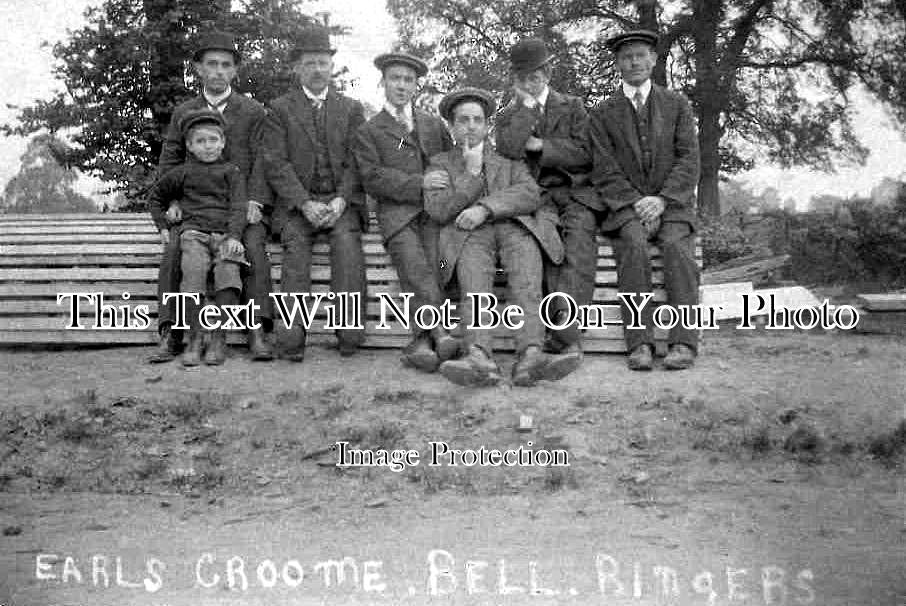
540,101
214,101
645,88
320,97
407,113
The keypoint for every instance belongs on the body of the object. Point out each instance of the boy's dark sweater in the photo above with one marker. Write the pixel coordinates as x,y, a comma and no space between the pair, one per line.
212,197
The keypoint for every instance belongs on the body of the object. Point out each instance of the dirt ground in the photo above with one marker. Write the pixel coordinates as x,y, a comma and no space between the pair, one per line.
771,473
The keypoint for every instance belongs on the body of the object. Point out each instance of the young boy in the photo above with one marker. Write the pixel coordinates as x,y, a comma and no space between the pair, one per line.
492,208
212,198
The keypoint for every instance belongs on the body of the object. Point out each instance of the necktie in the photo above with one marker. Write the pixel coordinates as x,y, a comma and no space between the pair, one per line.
218,107
638,101
401,118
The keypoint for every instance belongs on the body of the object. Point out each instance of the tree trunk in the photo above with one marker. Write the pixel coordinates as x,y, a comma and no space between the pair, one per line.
708,95
647,11
709,134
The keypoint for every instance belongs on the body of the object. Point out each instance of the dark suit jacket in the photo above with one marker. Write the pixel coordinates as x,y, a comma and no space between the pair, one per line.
565,158
392,162
243,117
512,194
618,174
287,151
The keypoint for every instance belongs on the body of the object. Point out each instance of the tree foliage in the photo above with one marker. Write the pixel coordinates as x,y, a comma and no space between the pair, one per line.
43,184
129,66
768,79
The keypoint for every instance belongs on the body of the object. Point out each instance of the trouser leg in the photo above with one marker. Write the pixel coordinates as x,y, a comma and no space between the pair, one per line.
297,238
347,270
257,283
521,258
634,276
475,270
681,276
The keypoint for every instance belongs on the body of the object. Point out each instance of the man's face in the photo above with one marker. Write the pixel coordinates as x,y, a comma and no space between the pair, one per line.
400,83
470,125
205,142
635,61
216,70
532,82
314,71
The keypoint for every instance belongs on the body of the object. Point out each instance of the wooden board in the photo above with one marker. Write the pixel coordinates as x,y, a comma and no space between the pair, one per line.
43,255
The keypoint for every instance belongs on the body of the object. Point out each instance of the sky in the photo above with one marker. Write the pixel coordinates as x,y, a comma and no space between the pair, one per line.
25,72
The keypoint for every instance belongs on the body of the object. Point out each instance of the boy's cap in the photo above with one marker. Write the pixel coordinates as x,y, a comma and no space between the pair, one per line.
637,35
312,39
479,95
216,40
200,116
529,54
387,59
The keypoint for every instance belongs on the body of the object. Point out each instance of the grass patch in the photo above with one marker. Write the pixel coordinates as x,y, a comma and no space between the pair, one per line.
889,447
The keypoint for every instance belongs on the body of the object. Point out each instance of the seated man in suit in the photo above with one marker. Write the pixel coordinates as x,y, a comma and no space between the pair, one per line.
306,148
392,150
646,167
487,211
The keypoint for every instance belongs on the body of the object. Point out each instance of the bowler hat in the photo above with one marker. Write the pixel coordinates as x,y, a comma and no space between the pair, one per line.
216,40
479,95
529,54
313,39
200,116
637,35
387,59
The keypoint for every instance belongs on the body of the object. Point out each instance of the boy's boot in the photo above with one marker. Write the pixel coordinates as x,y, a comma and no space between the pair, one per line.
215,354
192,354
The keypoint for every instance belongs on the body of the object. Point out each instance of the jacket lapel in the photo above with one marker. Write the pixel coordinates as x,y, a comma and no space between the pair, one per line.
390,126
656,100
336,130
553,111
626,120
302,113
491,167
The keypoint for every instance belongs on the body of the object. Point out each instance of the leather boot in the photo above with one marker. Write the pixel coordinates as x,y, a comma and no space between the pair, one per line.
167,347
527,370
641,358
679,357
192,355
477,369
445,345
215,355
419,354
258,345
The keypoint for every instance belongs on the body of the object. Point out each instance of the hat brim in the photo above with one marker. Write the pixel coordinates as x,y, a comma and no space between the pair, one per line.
449,103
520,69
419,67
298,52
617,42
200,53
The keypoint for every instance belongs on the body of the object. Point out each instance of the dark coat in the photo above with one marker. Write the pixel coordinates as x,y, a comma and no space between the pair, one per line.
392,162
288,151
565,158
512,194
618,174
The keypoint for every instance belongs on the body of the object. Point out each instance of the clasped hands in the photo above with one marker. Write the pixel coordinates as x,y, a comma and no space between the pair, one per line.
323,215
649,209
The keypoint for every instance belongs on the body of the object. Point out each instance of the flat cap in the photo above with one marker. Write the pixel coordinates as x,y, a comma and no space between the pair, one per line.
479,95
387,59
216,40
637,35
200,116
